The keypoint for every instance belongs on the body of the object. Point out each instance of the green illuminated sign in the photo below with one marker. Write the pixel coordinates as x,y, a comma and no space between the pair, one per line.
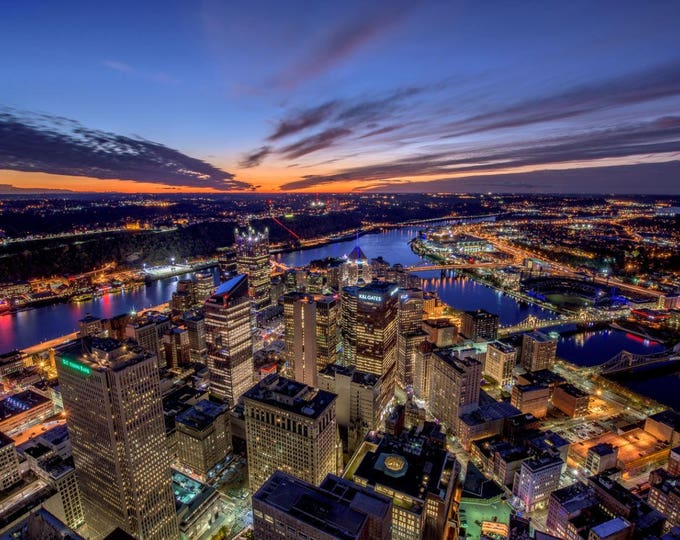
76,366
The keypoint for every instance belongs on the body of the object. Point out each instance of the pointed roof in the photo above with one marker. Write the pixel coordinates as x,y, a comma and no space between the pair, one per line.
357,254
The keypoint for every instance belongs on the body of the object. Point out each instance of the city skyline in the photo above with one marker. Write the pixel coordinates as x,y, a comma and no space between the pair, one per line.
405,96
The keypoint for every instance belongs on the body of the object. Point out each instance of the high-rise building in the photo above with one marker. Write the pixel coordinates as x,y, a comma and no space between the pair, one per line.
229,339
9,463
531,399
500,362
537,479
422,367
348,324
226,260
299,314
357,269
376,330
252,258
115,419
410,334
479,325
538,351
360,401
203,436
195,324
176,347
204,285
291,427
601,457
90,326
287,507
184,297
419,475
454,386
147,331
327,329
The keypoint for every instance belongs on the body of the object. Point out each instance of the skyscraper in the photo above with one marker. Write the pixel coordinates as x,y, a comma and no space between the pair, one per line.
479,325
410,334
538,351
454,386
291,427
204,286
299,312
376,329
327,331
348,324
229,339
500,362
252,258
115,419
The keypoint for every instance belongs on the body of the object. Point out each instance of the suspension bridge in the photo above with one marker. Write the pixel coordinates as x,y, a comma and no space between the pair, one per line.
626,361
534,323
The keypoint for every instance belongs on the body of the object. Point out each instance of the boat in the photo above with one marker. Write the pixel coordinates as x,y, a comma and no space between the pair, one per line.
84,297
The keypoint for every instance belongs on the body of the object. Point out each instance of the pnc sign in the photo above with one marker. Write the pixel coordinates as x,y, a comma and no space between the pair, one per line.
76,366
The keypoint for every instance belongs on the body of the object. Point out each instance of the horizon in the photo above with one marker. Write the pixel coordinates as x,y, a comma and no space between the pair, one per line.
398,97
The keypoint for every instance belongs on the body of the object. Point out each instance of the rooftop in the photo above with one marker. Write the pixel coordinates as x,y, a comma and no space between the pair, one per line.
572,390
201,415
543,376
311,505
535,464
230,286
19,403
290,395
501,346
459,364
93,353
538,336
5,440
669,418
603,530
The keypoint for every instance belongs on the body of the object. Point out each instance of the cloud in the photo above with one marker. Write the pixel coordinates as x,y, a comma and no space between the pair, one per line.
255,157
302,119
118,66
654,178
315,142
634,88
53,145
659,136
344,41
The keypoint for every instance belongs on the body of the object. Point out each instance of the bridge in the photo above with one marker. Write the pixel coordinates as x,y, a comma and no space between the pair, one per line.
453,266
533,323
626,361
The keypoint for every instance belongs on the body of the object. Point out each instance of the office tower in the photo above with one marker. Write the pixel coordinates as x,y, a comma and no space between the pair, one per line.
376,330
147,331
112,398
538,351
479,325
440,332
176,347
41,524
9,463
500,362
359,404
61,475
410,333
288,507
299,313
204,285
531,399
203,436
327,329
674,461
422,371
229,339
454,386
356,270
226,260
418,474
252,258
664,495
291,427
537,479
348,324
571,400
195,324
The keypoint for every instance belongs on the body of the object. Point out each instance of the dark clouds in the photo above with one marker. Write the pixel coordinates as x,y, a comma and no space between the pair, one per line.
255,157
54,145
514,136
658,136
649,178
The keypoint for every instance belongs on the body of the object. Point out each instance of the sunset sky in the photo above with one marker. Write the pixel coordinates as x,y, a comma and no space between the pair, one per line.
338,96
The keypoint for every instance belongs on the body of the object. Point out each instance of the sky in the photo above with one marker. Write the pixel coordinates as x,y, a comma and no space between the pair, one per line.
320,96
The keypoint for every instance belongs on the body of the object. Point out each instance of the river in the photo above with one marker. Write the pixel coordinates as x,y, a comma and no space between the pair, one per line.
30,327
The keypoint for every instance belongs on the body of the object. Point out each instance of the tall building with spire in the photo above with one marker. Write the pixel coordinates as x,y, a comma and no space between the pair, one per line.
252,258
357,268
112,399
229,339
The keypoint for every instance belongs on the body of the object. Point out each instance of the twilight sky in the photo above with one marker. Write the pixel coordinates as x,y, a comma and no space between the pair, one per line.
438,95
